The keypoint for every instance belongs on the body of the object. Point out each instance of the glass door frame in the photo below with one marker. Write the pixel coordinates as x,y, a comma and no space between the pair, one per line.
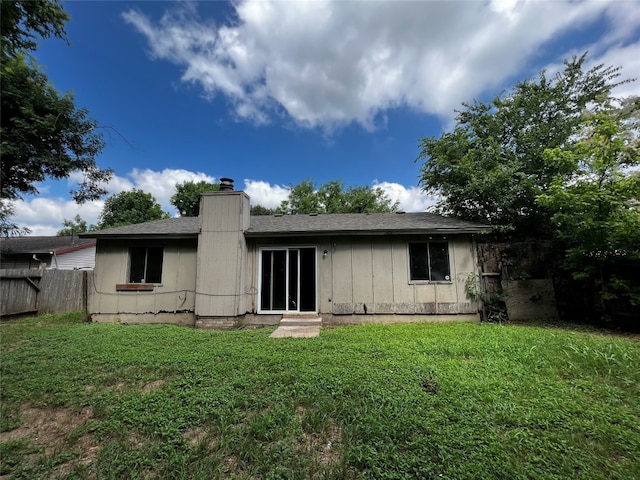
287,286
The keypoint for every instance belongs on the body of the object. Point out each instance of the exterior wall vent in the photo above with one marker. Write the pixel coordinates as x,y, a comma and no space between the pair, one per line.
226,184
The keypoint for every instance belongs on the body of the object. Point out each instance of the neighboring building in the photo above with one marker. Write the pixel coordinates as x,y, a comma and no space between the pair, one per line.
226,268
62,253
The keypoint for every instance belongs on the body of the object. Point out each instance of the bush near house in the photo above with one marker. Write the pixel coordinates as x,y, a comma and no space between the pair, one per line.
386,401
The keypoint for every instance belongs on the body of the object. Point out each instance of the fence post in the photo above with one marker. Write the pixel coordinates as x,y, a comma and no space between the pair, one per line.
85,296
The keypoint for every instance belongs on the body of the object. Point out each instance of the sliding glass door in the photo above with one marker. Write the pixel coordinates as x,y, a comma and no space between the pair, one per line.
287,280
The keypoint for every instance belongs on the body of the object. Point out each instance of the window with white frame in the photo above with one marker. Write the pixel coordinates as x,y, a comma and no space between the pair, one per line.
145,264
429,261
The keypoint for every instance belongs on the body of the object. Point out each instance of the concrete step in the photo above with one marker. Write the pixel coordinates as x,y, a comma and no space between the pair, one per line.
284,331
302,321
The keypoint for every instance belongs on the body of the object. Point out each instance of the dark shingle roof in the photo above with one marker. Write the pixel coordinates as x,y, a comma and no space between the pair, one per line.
41,244
297,225
169,227
359,223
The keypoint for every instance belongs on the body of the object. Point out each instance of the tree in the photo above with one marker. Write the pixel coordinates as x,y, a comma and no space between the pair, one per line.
7,227
331,197
187,197
43,133
492,167
22,21
260,210
127,208
595,216
73,227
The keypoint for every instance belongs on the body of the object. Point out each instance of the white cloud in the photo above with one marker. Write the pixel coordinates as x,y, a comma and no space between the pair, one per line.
327,64
411,199
44,215
265,194
162,185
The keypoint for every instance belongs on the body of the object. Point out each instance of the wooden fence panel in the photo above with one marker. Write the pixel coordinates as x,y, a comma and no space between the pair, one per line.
61,291
19,290
38,292
532,299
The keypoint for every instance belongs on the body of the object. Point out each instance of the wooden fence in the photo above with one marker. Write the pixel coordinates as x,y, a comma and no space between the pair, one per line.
35,291
518,276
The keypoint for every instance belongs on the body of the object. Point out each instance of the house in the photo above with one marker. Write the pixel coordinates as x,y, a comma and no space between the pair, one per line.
61,253
226,268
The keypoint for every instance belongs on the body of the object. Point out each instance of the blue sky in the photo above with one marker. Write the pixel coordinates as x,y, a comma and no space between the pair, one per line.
272,93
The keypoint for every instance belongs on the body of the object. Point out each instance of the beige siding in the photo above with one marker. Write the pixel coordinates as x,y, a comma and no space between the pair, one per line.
325,274
342,277
382,275
224,212
221,254
403,293
175,293
374,271
362,263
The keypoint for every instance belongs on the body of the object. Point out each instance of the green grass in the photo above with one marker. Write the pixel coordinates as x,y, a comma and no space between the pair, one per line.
441,401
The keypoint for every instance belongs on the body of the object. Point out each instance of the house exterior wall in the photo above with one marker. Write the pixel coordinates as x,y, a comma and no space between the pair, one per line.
363,275
172,301
221,255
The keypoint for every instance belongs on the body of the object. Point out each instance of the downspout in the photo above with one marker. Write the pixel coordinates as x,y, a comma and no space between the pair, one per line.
55,259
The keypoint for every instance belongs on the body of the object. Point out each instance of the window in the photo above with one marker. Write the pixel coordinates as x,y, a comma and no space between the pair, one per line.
145,264
429,261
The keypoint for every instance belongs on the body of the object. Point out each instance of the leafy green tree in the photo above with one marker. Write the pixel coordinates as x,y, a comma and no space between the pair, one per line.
332,197
22,21
595,213
128,208
73,227
7,227
302,199
187,196
260,210
492,167
43,133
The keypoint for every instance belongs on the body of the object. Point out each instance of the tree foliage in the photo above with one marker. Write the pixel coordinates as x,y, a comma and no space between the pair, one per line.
73,227
130,207
187,196
332,197
492,166
596,214
7,227
23,21
260,210
43,133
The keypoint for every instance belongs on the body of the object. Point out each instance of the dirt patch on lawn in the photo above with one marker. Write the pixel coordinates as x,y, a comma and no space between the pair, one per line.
52,430
153,386
195,436
47,427
325,446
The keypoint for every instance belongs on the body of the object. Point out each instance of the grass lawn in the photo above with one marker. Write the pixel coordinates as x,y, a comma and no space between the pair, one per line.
441,401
